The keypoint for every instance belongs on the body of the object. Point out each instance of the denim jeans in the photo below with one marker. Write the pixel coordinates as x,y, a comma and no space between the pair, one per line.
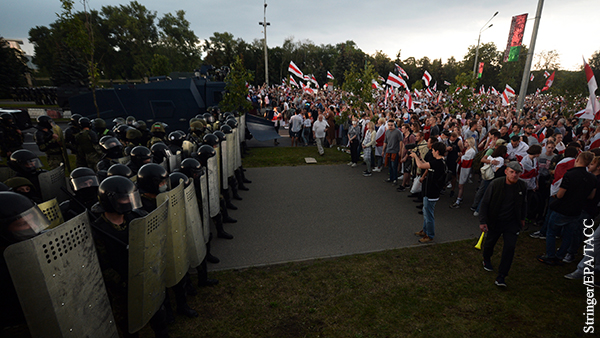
428,217
577,238
556,223
479,195
393,165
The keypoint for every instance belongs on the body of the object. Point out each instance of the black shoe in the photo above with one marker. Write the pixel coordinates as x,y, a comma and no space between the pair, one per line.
387,180
246,181
418,200
500,281
231,206
487,266
208,282
229,220
412,195
547,260
420,206
400,188
237,197
224,235
212,259
420,212
187,311
242,187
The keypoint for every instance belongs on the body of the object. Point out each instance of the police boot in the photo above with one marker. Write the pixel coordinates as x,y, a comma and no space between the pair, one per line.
233,184
226,218
227,201
182,307
244,179
220,231
158,323
189,288
203,279
238,177
209,257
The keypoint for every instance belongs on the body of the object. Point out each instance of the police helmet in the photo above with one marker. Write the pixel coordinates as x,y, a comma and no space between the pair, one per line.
204,153
75,120
82,178
118,194
130,120
153,178
24,161
45,121
140,125
20,218
190,167
119,170
226,129
211,139
140,155
220,135
174,179
85,122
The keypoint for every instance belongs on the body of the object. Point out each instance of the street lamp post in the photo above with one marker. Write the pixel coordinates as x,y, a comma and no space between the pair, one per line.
265,24
478,40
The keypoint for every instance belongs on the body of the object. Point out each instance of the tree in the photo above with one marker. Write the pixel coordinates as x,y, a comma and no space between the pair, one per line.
178,42
235,97
382,63
13,67
358,86
160,66
547,60
220,49
349,56
491,57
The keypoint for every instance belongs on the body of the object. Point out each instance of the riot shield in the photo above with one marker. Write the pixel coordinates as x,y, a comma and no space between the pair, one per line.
205,208
147,266
51,210
177,248
123,160
178,159
6,173
230,154
241,128
165,164
51,182
189,148
195,232
59,282
213,186
172,162
219,164
224,165
238,151
61,140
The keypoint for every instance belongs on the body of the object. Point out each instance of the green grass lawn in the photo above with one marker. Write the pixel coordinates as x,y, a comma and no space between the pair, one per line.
436,290
292,156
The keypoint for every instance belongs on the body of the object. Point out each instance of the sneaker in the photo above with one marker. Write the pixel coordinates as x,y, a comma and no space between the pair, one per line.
547,260
476,214
387,180
377,170
353,165
538,235
574,275
426,239
395,182
401,178
421,233
364,171
449,186
487,266
455,205
367,174
350,163
400,188
500,281
569,258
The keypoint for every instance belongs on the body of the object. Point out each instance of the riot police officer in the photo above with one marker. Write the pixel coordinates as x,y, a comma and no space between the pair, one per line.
99,126
112,149
158,133
141,126
12,137
139,156
70,141
119,170
48,142
176,139
27,165
23,186
160,152
87,143
84,183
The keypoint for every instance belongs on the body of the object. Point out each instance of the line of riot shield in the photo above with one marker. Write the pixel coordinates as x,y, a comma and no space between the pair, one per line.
189,148
59,283
165,164
238,150
147,266
196,243
224,165
218,151
213,186
230,154
51,209
51,183
205,208
177,248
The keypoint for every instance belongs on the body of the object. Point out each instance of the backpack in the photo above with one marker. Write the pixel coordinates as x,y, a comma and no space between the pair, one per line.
476,167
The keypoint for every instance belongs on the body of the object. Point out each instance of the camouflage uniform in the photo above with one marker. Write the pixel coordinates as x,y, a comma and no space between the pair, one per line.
48,143
11,140
87,147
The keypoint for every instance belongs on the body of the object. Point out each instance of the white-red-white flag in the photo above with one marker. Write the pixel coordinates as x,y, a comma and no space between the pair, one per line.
531,77
314,80
509,91
434,88
537,92
481,90
417,93
283,82
494,91
546,74
439,98
549,82
395,81
429,92
427,78
592,109
329,75
447,83
306,78
409,101
293,82
401,71
505,97
292,68
375,84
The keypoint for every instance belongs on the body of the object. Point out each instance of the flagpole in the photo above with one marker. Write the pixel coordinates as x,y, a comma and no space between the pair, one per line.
265,24
479,40
527,70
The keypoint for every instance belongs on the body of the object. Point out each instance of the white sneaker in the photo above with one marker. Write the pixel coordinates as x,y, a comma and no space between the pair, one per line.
377,170
349,163
476,214
400,178
353,165
449,186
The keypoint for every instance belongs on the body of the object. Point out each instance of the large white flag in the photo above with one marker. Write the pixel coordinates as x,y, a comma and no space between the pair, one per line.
395,81
292,68
427,78
592,109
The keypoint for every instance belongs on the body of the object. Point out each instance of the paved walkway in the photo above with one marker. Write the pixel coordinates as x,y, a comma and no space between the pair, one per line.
307,212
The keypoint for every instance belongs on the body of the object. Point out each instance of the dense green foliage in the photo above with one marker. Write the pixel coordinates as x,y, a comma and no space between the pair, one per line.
13,67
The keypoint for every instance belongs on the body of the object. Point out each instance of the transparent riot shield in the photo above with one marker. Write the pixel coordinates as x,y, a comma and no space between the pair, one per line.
219,173
177,248
238,151
147,266
230,154
189,148
51,182
59,282
224,165
195,232
205,208
172,162
51,210
213,186
165,164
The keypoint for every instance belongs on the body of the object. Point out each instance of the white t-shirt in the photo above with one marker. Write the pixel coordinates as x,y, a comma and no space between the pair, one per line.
500,160
319,128
296,123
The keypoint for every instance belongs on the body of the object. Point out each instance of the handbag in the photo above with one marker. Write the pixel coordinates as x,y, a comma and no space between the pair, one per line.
487,172
417,186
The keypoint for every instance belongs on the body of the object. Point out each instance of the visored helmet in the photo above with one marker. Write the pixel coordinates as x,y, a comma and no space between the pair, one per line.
75,120
226,129
82,178
140,125
140,155
45,121
119,170
130,120
176,137
99,124
20,218
190,167
174,179
118,194
111,146
153,178
160,151
232,123
24,161
211,139
204,153
85,122
220,135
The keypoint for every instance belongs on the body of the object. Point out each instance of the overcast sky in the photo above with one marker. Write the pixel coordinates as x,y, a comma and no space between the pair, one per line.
433,28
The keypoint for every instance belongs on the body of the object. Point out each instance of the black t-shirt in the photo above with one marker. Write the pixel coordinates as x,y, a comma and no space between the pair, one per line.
579,184
434,182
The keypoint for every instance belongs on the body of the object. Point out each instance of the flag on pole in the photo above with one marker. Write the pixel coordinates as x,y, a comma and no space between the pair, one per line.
439,98
314,80
434,87
480,71
283,82
481,90
426,78
592,109
505,97
375,84
395,81
408,100
329,75
531,77
546,74
537,92
509,90
447,83
306,78
293,82
401,71
429,92
494,91
417,94
549,82
292,68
